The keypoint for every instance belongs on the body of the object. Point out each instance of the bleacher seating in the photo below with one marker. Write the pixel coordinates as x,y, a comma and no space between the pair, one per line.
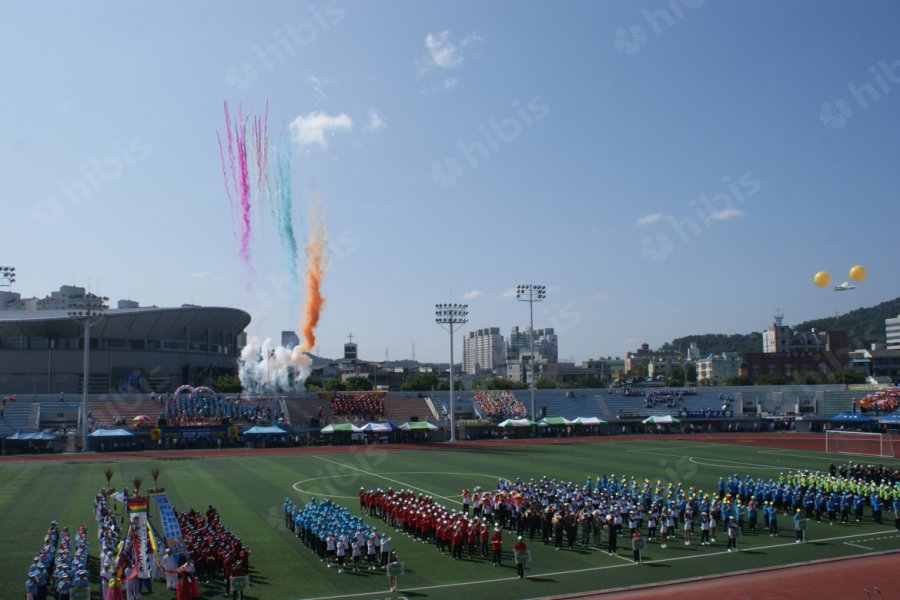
400,408
498,405
15,418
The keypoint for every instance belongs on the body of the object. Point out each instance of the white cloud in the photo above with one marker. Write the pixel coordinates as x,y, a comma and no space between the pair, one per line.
601,296
650,219
312,128
510,293
201,274
472,294
724,215
316,84
376,123
450,83
442,53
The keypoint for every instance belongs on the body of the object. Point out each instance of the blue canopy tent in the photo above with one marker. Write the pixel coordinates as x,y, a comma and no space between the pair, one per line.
851,417
102,433
265,429
891,419
380,427
37,436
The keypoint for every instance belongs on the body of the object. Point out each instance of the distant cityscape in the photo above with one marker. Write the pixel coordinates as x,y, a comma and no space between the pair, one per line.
490,359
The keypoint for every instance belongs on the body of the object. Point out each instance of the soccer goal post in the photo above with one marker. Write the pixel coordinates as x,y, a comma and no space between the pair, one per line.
859,442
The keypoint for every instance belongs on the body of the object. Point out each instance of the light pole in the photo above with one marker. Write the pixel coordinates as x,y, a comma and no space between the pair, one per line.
7,278
90,316
450,316
531,293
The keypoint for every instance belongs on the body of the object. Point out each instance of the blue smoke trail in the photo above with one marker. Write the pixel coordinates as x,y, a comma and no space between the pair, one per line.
286,222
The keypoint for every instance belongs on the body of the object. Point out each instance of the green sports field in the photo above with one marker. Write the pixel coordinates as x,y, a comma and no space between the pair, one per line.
249,492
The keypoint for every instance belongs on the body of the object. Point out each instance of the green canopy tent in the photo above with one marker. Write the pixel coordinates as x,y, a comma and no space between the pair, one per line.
516,423
661,419
418,426
341,428
555,421
588,421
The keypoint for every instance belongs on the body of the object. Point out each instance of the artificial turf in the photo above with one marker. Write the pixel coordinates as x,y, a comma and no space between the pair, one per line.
249,492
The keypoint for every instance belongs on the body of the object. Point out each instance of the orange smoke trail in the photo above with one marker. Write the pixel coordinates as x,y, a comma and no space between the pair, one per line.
315,271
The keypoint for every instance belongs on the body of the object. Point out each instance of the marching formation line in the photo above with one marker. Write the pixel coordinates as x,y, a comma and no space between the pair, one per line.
878,537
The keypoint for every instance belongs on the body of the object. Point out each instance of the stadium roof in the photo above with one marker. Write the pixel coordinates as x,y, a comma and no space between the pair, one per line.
131,323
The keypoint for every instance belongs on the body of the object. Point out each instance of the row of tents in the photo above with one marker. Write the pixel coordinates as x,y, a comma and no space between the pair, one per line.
549,421
379,427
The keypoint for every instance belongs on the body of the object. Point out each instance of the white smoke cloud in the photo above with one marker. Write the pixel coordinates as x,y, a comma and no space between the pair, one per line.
267,368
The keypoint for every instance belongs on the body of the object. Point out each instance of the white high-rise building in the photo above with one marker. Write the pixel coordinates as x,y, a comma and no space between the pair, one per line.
483,350
546,344
892,333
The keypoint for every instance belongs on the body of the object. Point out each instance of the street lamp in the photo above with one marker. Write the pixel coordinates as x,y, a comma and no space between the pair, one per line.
531,293
90,316
450,317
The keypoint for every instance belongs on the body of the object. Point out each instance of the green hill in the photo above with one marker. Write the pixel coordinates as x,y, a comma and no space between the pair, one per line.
864,325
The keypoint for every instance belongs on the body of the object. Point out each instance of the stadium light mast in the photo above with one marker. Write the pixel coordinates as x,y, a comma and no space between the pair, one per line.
531,293
450,317
90,316
7,278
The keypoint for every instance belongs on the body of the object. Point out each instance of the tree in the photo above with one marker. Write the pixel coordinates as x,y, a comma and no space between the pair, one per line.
846,376
739,380
358,384
227,383
313,383
545,384
499,383
675,377
420,382
690,374
806,378
335,385
770,379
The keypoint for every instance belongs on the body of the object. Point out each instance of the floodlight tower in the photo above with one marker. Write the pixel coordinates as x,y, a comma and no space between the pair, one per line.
90,316
450,317
531,293
7,278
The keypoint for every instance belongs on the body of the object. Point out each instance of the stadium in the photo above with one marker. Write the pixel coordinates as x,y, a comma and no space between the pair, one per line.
133,350
598,461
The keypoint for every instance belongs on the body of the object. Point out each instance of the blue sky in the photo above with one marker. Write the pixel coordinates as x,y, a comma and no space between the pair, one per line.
663,168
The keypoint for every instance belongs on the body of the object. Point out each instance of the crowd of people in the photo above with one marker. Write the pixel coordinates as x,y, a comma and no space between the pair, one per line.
369,406
339,538
884,401
868,473
61,564
499,405
201,408
420,517
215,551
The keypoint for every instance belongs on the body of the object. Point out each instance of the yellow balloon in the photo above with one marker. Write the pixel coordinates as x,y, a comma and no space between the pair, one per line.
822,278
857,273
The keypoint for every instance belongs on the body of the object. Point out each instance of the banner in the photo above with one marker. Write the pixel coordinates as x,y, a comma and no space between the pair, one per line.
137,516
170,528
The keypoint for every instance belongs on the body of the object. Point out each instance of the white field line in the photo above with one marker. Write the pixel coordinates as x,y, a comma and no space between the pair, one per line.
790,544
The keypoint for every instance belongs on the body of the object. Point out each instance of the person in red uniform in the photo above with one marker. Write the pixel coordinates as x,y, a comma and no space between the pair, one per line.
497,546
520,550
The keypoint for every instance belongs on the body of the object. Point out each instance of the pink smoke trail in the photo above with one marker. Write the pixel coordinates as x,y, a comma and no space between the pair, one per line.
241,135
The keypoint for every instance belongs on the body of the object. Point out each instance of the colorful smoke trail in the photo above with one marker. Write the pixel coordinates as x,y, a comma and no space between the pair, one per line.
315,272
250,177
284,203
